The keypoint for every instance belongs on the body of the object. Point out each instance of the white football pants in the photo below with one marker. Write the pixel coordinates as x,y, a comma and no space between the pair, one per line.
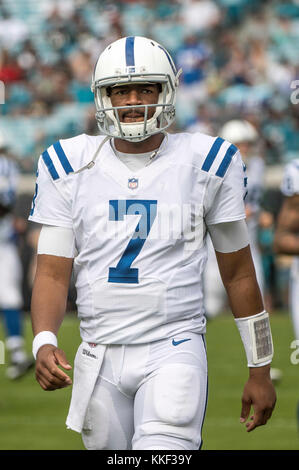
149,396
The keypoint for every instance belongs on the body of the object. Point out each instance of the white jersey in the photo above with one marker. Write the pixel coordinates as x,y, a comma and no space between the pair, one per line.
140,236
290,187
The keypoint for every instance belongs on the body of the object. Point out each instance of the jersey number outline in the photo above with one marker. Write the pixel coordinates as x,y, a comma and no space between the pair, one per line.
123,273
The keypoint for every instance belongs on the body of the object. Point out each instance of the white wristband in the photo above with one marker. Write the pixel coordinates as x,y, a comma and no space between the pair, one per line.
42,338
256,335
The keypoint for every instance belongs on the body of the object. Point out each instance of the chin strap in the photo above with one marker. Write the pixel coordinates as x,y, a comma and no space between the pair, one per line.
92,162
155,153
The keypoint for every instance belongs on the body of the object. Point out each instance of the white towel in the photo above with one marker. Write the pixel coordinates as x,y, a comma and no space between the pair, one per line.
87,365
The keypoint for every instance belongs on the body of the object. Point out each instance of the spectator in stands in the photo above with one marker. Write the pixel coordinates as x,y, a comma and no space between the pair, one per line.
200,15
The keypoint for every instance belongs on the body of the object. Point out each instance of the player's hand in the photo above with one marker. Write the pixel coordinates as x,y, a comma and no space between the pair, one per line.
47,370
259,393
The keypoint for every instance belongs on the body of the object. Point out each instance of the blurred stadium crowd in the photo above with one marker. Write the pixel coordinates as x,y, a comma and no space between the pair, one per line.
239,58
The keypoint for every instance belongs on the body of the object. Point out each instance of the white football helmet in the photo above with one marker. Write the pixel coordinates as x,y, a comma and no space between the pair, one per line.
134,59
237,131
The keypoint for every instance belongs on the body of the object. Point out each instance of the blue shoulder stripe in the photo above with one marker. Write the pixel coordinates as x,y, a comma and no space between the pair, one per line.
48,161
63,158
212,154
226,160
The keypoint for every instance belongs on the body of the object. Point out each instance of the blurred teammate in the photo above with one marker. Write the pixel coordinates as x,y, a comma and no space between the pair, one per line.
129,210
287,234
286,239
244,136
11,270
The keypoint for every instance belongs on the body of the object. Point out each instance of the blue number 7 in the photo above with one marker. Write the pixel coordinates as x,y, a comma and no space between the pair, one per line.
117,209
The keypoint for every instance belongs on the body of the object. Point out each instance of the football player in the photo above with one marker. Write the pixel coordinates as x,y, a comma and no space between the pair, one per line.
10,270
287,234
128,210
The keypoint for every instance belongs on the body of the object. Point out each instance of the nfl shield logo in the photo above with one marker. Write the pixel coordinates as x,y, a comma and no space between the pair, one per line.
133,183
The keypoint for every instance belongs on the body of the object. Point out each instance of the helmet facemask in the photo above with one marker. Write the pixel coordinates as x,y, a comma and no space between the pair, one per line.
108,118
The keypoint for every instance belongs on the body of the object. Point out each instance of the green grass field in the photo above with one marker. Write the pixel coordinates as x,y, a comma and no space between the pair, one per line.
33,419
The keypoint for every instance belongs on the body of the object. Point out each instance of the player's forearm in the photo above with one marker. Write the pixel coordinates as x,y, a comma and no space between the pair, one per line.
286,243
48,304
251,318
244,296
50,289
239,279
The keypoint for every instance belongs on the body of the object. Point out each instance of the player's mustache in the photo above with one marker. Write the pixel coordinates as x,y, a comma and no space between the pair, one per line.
133,113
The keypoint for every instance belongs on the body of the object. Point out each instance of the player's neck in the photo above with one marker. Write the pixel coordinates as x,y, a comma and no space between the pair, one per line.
152,143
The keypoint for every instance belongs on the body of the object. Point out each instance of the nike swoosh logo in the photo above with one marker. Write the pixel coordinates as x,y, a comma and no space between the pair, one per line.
176,343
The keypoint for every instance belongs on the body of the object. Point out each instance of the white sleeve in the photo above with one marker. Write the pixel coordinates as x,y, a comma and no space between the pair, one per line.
57,241
50,206
228,203
228,237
